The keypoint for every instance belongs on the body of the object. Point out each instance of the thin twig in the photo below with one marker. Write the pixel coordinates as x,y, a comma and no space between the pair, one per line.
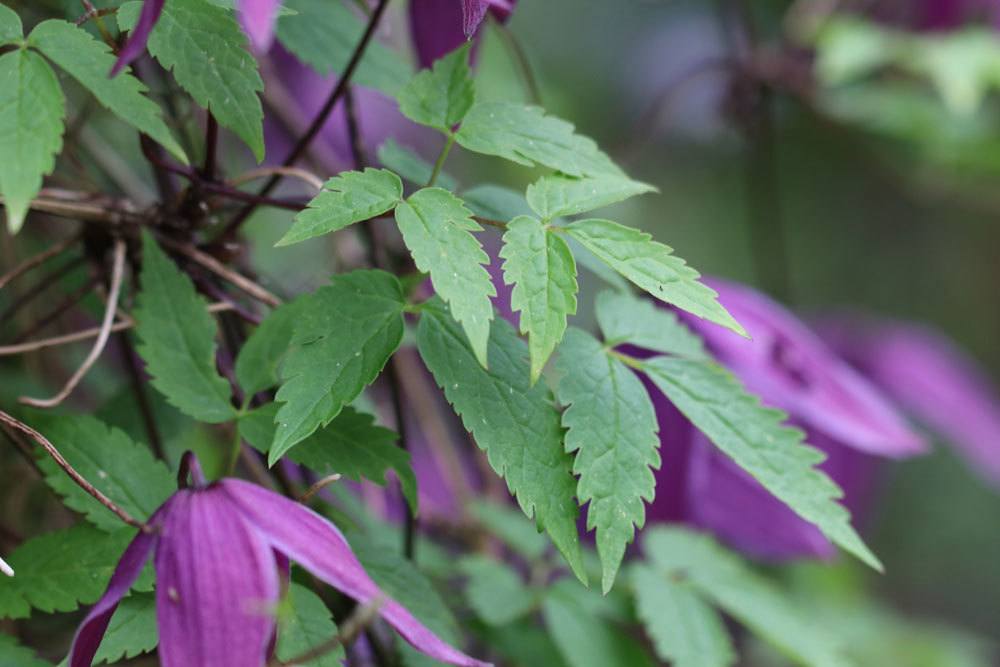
37,260
487,221
83,211
303,175
218,268
319,486
358,621
211,147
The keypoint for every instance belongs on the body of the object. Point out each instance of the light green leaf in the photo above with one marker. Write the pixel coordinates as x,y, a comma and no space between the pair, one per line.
686,631
437,227
756,439
345,335
353,196
613,430
495,591
11,29
303,624
177,339
206,50
512,527
324,34
259,358
524,134
132,630
558,195
653,267
626,319
11,653
411,166
123,470
540,266
89,61
514,422
440,97
31,127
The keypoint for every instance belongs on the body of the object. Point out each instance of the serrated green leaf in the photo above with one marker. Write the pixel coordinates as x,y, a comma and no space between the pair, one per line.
352,445
345,336
651,266
755,438
324,34
353,196
725,579
31,127
626,319
613,430
411,166
12,654
686,631
11,29
512,527
177,339
557,195
524,134
437,227
495,591
123,470
514,422
441,96
206,50
89,61
541,268
61,570
259,358
132,630
305,624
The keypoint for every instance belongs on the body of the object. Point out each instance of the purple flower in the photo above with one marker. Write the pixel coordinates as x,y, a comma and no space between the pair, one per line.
218,550
440,26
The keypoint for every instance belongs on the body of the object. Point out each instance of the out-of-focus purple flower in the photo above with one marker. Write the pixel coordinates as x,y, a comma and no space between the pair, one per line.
932,379
218,550
938,15
440,26
139,35
257,18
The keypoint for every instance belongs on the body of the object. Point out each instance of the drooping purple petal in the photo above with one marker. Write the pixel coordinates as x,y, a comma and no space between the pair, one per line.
257,18
473,13
139,35
217,585
314,543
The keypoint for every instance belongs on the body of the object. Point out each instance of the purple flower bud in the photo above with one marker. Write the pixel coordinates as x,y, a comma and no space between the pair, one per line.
440,26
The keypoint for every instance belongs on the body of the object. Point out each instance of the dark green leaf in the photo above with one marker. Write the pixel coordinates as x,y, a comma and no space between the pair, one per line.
11,29
132,630
440,97
259,358
11,654
495,591
558,195
305,624
626,319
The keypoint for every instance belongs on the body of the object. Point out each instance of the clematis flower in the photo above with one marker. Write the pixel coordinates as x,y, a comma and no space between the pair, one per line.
218,550
440,26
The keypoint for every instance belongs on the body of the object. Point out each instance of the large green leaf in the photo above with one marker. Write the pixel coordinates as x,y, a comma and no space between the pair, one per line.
12,654
540,266
206,50
31,128
756,438
177,339
557,195
353,196
626,319
440,97
437,228
89,61
132,630
495,591
345,335
514,422
304,624
259,358
612,428
652,266
11,29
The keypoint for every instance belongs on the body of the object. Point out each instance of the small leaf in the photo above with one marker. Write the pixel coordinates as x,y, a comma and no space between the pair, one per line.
177,339
440,97
353,196
437,227
259,358
626,319
557,195
653,267
613,430
495,591
306,624
411,166
11,29
514,422
132,630
346,334
89,61
11,653
31,127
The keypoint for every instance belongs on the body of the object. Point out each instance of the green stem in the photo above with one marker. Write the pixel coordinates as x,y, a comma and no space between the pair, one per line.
439,164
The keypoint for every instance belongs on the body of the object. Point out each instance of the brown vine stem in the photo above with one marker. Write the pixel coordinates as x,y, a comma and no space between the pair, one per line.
37,260
319,486
61,461
303,175
218,268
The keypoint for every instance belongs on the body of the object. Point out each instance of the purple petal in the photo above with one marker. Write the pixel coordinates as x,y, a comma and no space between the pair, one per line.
136,43
317,545
473,13
217,585
257,18
439,27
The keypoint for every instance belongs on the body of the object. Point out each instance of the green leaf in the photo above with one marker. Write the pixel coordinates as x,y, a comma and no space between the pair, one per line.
132,630
626,319
353,196
512,527
514,422
411,166
686,631
351,445
31,127
437,227
725,579
613,430
259,358
123,470
495,591
524,134
206,50
440,97
653,267
496,202
756,439
540,266
177,339
61,570
11,29
11,653
305,624
89,61
558,195
345,336
324,34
